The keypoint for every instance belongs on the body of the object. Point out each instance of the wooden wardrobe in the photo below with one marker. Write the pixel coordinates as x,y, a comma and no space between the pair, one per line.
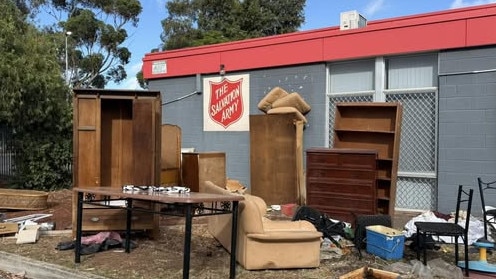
117,141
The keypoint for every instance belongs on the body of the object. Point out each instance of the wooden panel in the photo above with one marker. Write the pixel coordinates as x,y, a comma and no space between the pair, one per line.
273,158
200,167
170,177
86,142
143,142
104,219
170,159
373,117
381,142
171,147
116,142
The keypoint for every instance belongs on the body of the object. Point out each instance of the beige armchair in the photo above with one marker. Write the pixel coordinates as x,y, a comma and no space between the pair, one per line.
264,243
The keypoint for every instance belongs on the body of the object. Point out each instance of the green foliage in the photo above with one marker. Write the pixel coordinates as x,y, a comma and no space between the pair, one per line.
139,76
98,30
200,22
34,103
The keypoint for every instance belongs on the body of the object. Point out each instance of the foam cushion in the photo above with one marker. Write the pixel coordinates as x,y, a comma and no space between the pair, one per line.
283,110
292,100
266,103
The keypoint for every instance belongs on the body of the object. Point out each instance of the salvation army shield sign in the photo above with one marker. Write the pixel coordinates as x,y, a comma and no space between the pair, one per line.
226,101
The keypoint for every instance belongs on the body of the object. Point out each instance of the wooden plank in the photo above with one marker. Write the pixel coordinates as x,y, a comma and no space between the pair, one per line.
366,272
143,142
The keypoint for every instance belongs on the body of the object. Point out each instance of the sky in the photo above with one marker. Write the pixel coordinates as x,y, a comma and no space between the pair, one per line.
318,14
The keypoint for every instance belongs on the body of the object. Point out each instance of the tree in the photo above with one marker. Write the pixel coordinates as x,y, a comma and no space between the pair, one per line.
200,22
98,29
33,103
203,22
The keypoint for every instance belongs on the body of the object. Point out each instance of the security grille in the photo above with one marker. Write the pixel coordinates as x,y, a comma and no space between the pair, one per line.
416,185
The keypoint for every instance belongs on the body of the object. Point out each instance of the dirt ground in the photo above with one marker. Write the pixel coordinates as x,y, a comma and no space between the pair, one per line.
162,258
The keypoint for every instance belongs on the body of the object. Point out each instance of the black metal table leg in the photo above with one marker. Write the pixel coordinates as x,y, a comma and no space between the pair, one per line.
129,214
79,227
187,241
234,237
417,239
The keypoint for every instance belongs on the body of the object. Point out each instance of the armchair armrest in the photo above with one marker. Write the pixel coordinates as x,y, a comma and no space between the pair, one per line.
285,236
280,225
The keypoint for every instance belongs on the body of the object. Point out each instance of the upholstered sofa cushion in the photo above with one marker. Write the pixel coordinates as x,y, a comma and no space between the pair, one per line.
283,110
293,100
266,103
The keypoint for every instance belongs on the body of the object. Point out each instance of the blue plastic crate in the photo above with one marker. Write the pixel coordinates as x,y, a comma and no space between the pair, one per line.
385,242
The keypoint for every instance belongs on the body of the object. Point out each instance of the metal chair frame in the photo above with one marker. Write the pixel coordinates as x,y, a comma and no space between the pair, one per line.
453,230
488,216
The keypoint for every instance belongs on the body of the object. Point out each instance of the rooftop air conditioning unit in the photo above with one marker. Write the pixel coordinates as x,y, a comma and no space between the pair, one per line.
352,20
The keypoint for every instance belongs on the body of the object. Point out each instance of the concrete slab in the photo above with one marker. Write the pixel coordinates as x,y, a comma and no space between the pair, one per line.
40,270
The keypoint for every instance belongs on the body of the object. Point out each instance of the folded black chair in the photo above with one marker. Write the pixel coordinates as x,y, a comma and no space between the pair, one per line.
361,223
454,230
488,216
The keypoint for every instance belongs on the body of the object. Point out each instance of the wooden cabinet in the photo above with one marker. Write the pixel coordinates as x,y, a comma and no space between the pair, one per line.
276,158
204,166
374,126
342,182
116,142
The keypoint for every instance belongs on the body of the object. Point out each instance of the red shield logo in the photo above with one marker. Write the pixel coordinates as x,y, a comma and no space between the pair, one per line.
226,102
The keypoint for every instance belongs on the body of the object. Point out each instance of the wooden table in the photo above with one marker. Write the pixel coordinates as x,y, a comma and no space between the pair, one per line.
192,204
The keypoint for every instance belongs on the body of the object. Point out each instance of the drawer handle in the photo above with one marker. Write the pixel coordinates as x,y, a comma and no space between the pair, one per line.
134,218
95,219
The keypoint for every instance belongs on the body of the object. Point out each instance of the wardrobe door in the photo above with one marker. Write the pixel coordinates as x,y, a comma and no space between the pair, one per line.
146,134
87,142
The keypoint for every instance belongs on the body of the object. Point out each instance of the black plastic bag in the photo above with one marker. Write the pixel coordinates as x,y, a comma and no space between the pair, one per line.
322,222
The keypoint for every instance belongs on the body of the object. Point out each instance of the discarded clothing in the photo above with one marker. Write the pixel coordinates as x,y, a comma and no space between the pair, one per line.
95,243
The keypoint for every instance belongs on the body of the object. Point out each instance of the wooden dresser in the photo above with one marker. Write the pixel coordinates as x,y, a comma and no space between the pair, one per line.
342,182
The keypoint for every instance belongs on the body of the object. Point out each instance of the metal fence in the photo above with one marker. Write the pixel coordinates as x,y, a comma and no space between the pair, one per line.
7,154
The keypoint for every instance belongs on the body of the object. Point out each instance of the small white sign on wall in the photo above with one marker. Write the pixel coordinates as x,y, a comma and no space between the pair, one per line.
159,67
226,103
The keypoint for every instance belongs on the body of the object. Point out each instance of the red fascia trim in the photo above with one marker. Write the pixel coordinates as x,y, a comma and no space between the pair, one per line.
396,41
426,32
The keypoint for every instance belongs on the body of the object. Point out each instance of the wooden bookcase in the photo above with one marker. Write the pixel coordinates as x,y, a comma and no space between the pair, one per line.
341,182
374,126
116,142
198,167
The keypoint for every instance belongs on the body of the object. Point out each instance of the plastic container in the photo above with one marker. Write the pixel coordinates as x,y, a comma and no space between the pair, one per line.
385,242
288,209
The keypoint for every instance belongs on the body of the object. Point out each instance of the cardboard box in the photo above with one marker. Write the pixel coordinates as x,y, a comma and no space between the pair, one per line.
30,234
385,242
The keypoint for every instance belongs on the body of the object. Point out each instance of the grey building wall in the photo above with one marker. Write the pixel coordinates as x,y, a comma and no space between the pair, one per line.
308,80
467,123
